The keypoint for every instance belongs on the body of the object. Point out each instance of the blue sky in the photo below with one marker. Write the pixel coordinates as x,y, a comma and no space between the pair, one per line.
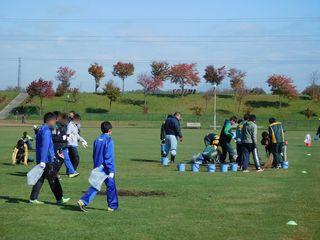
246,34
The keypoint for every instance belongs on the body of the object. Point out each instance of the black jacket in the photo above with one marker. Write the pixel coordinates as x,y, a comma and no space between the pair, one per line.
172,126
59,137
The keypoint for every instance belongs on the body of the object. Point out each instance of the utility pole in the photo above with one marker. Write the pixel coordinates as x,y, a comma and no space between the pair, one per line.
215,107
19,73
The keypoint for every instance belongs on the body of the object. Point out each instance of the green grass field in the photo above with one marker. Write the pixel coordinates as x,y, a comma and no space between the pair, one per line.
130,107
196,205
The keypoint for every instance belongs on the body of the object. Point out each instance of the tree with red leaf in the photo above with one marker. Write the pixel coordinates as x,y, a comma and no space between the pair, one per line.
313,90
160,70
65,75
282,86
42,89
97,72
238,86
184,74
149,85
214,75
123,70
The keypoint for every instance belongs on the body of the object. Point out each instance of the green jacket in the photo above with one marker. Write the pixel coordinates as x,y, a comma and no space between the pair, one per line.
276,132
249,133
226,133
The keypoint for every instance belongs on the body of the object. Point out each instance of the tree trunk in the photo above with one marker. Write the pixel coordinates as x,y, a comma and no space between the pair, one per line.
97,85
122,86
280,102
182,90
41,106
205,110
110,105
145,103
239,105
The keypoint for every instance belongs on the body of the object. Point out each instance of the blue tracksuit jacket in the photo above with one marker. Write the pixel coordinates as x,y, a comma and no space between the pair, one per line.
103,153
44,145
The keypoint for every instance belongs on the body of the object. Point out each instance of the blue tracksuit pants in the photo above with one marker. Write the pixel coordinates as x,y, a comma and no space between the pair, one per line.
67,161
111,192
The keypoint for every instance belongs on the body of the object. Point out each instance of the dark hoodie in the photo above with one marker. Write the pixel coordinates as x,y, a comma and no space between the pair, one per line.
172,126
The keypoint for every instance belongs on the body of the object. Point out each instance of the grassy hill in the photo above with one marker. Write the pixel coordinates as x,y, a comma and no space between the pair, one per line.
130,107
6,97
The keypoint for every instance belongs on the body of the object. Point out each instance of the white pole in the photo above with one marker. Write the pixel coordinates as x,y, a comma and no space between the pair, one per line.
215,108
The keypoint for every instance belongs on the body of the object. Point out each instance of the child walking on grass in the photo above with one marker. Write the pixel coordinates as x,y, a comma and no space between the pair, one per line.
103,158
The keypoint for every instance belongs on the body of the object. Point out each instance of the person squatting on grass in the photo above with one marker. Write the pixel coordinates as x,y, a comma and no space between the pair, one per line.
276,133
20,153
27,140
73,138
103,156
225,140
266,142
60,142
249,144
172,134
45,157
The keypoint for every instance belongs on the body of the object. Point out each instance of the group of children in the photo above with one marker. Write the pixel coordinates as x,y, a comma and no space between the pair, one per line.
65,137
217,147
56,143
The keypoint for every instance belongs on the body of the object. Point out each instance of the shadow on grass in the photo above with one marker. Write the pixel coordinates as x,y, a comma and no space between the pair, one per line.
259,104
166,95
96,110
7,164
224,96
137,193
145,160
223,111
13,200
132,102
18,174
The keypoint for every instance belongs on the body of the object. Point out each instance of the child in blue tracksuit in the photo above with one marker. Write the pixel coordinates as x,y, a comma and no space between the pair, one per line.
103,154
45,158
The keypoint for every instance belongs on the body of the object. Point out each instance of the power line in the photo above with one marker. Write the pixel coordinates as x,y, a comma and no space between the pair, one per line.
61,39
198,61
161,20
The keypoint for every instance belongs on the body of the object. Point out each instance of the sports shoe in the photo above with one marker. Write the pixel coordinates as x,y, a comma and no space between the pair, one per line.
82,206
63,201
110,209
73,175
35,201
260,170
245,171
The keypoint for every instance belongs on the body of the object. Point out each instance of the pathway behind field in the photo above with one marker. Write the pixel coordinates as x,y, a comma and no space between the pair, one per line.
4,113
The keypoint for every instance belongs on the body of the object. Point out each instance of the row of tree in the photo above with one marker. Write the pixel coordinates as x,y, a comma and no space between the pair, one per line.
181,74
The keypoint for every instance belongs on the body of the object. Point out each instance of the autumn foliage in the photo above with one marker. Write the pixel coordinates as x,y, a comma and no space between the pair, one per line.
282,86
123,70
42,89
64,75
149,84
184,75
238,86
160,70
97,72
215,75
